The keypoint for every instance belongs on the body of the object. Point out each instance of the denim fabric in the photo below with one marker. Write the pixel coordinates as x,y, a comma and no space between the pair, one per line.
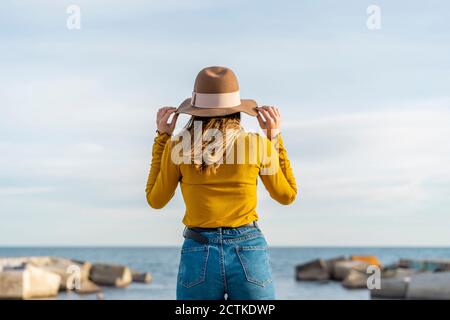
235,262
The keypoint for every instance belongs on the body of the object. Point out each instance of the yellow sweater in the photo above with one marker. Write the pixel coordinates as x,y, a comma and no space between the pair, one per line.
226,198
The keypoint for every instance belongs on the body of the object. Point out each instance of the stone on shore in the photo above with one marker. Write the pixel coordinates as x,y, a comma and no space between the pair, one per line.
111,275
394,283
34,277
141,277
27,282
398,273
343,268
429,286
356,280
391,288
433,265
68,269
317,270
88,287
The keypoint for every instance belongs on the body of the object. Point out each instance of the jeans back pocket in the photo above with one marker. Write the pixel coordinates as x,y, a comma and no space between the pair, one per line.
193,265
255,262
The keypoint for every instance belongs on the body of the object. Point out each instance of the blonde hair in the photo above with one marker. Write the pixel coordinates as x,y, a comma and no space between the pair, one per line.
225,124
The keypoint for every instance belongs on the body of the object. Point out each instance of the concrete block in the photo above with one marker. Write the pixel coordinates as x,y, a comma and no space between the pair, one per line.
28,282
430,286
111,275
343,268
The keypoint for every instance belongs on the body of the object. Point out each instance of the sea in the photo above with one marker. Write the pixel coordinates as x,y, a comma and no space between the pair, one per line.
162,263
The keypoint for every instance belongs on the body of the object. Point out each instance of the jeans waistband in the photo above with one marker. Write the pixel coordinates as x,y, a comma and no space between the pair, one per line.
251,224
196,233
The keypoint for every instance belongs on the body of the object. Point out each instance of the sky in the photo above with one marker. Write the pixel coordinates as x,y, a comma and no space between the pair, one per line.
365,116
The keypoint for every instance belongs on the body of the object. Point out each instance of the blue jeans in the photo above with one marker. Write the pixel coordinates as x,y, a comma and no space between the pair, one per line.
235,262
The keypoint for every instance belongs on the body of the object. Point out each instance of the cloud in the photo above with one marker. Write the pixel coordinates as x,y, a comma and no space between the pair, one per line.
64,157
389,157
365,116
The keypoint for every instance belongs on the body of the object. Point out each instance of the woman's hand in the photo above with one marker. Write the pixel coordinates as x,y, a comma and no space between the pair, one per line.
161,120
269,119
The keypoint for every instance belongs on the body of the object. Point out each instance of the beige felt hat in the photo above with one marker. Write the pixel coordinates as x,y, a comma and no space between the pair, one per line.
216,93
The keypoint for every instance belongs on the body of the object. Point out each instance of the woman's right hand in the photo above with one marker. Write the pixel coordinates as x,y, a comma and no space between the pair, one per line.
269,119
161,120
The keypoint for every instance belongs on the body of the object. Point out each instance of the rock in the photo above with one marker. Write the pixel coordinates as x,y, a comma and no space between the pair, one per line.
394,283
27,281
88,287
398,273
142,277
343,268
391,288
70,271
67,269
389,271
432,286
433,265
355,280
332,262
12,262
111,275
317,270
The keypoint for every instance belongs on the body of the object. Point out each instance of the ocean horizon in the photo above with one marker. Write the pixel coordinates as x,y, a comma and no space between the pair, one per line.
162,263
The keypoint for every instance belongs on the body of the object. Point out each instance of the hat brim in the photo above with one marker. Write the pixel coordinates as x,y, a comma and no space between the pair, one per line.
248,106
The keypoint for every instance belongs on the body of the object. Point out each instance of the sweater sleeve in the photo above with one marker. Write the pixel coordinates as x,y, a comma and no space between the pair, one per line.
164,173
276,171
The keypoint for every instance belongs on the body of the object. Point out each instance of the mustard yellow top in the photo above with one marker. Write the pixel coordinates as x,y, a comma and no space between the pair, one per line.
226,198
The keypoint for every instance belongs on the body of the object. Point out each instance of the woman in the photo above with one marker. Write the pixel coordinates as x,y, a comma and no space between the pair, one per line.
224,253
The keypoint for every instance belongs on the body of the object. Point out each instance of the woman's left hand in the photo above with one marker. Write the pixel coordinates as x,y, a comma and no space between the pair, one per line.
269,119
